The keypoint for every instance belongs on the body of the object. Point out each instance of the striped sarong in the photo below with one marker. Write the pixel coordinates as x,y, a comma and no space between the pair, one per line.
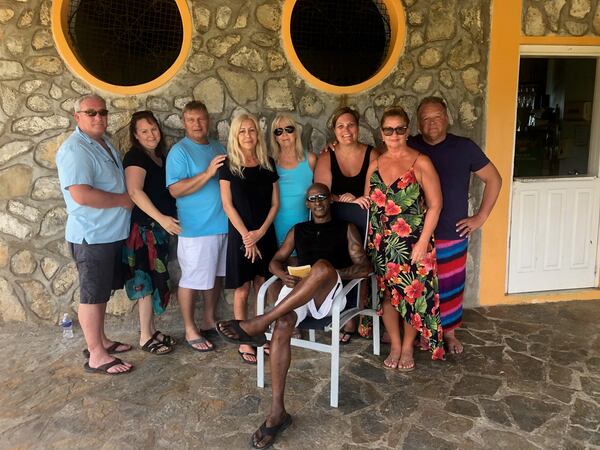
452,270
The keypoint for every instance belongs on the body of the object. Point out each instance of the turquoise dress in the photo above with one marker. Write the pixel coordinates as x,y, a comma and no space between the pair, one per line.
293,184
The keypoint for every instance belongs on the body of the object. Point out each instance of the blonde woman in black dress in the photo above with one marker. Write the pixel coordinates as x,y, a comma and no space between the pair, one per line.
250,195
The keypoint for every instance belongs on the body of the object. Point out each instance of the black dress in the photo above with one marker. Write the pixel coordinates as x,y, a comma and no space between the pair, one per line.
251,197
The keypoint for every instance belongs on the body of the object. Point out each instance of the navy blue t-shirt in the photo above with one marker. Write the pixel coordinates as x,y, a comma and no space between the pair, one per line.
454,159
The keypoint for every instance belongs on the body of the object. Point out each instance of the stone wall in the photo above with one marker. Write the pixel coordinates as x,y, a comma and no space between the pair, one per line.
563,17
236,62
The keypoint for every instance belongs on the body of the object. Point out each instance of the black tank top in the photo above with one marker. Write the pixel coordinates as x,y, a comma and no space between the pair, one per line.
340,184
327,241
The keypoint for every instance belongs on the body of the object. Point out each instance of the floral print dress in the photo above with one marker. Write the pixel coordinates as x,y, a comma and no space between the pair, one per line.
397,215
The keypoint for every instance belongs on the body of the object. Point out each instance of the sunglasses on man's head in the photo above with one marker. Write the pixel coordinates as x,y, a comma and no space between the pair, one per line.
279,131
388,131
93,112
317,197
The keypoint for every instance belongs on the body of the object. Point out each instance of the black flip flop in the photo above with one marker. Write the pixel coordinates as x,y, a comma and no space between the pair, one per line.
343,340
243,354
201,340
103,369
244,338
112,350
271,431
209,332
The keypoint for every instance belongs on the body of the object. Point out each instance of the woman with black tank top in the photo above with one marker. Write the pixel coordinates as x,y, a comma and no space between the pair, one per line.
344,171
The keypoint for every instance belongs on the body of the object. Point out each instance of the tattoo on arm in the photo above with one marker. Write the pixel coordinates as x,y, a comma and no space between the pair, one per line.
361,266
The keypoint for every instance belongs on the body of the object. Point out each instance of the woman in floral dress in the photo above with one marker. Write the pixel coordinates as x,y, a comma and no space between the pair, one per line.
406,201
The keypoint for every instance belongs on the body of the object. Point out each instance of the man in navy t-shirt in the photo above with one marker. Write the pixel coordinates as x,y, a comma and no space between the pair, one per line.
454,158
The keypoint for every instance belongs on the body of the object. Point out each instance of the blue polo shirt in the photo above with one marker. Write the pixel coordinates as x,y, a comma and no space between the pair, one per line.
82,160
200,213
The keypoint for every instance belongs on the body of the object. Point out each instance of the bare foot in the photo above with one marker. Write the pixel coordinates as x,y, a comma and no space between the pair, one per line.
118,368
453,344
391,362
247,354
198,342
407,362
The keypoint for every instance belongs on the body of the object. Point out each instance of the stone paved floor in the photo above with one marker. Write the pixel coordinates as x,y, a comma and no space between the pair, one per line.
529,379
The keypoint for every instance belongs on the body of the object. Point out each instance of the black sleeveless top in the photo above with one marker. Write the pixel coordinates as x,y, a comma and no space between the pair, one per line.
328,241
340,183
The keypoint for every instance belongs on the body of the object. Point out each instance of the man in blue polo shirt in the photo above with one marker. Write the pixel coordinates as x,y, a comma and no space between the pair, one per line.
98,207
192,165
454,158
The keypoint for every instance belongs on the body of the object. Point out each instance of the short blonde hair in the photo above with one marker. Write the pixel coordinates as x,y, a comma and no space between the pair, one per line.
234,151
275,149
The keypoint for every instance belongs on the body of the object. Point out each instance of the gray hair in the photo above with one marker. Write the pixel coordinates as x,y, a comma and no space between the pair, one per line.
80,100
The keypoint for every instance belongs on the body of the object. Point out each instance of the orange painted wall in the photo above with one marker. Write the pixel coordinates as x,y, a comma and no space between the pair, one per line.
503,75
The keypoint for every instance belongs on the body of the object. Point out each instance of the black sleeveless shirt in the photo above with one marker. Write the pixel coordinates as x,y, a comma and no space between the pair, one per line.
327,241
340,183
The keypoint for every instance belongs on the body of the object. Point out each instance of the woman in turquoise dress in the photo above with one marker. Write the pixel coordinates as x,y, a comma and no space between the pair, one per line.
406,201
295,168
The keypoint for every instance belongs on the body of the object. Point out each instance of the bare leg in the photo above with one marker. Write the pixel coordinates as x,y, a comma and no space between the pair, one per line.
240,311
147,328
316,286
211,297
91,319
406,360
186,304
280,364
454,345
392,325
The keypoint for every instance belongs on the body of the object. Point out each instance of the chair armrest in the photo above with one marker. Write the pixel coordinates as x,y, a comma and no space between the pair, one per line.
336,307
260,298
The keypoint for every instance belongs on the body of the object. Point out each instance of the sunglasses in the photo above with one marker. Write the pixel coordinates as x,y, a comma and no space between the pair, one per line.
400,131
317,197
279,131
93,112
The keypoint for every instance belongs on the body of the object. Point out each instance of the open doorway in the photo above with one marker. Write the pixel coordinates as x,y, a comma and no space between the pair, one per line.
555,191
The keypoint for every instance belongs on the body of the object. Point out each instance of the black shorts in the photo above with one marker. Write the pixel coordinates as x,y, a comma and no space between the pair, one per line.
100,268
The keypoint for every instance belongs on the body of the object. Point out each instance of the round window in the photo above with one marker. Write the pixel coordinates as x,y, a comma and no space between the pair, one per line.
343,46
123,46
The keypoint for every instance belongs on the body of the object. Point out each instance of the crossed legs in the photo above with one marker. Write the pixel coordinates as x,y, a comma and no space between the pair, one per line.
316,285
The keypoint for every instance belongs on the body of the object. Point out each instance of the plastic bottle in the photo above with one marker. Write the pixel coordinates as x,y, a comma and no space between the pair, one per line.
66,326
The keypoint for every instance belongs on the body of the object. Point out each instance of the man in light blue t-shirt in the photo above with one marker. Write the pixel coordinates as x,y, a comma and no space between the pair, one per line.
192,165
98,207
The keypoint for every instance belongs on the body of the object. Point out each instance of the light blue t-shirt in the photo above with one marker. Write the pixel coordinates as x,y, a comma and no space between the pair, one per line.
82,160
200,213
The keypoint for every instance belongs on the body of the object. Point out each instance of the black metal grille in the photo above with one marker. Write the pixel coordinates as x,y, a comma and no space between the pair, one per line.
341,42
125,42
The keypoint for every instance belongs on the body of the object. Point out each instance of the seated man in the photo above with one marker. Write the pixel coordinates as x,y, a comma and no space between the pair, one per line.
335,252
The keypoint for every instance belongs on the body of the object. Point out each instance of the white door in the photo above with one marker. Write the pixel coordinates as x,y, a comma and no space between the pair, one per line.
554,233
555,207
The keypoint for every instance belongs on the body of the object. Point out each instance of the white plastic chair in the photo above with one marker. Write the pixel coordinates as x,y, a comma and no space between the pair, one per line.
348,212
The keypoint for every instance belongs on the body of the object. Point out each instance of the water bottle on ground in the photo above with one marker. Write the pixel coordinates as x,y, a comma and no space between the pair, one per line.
66,325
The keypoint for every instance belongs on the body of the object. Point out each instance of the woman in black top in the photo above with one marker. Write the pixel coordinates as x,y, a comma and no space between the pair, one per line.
344,170
152,221
250,195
